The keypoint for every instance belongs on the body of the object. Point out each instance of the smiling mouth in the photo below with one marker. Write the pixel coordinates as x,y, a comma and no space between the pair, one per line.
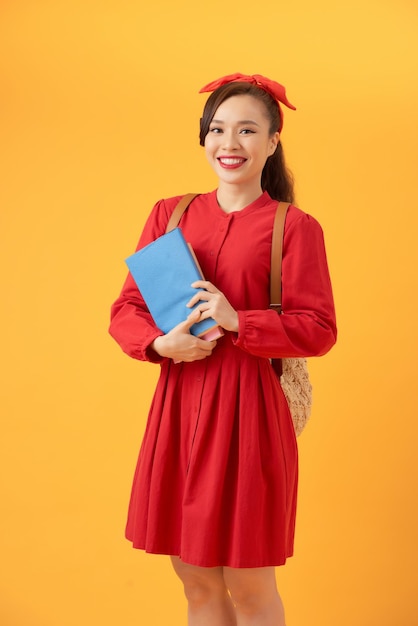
231,161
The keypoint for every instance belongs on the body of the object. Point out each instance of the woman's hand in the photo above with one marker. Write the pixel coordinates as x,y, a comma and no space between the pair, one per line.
180,345
212,303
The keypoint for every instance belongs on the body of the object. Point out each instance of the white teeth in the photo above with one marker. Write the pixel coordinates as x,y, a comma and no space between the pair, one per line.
231,161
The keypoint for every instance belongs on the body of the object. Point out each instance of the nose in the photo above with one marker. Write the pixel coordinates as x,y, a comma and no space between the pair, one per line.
230,140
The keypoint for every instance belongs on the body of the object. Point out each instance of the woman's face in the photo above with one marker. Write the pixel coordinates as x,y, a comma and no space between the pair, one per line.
239,141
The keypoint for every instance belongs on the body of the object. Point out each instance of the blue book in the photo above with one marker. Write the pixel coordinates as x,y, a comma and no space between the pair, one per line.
163,272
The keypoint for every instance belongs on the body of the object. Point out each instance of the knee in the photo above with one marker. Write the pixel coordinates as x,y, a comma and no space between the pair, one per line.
197,591
246,600
252,595
201,585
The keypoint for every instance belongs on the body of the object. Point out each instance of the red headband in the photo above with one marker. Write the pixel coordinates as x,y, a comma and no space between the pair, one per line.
276,90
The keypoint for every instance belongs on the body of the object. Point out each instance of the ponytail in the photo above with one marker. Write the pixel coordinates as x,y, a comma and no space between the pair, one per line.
276,178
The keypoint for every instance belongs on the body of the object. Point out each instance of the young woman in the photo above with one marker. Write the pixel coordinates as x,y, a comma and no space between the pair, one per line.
216,480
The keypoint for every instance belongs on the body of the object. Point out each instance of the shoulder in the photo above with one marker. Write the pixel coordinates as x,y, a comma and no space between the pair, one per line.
163,209
157,220
302,230
298,219
160,214
166,206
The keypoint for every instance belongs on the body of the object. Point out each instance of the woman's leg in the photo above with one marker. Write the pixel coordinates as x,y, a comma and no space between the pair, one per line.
209,603
255,596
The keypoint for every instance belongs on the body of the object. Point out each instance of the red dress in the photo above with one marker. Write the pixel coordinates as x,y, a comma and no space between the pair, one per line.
216,479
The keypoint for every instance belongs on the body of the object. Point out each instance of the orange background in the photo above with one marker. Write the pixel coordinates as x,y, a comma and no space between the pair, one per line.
99,119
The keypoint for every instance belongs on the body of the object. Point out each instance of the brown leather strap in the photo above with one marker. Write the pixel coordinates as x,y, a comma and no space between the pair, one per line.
276,257
276,245
179,210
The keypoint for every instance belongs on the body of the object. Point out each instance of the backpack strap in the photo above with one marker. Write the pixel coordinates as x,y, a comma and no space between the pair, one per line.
276,245
276,257
179,209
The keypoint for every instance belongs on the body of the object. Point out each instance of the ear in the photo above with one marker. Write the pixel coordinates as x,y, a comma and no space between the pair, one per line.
274,140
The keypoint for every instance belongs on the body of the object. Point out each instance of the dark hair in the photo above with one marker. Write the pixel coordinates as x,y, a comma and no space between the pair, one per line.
276,179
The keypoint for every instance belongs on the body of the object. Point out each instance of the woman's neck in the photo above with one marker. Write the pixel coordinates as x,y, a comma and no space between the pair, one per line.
233,198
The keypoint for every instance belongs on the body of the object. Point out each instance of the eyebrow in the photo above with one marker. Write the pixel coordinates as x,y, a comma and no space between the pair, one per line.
240,122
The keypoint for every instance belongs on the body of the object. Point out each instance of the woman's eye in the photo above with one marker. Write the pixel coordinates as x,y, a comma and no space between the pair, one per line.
215,130
246,131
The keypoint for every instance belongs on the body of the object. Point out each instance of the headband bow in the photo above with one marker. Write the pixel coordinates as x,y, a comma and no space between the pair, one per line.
276,90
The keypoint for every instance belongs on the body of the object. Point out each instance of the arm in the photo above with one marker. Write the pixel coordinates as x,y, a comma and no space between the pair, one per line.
307,326
132,325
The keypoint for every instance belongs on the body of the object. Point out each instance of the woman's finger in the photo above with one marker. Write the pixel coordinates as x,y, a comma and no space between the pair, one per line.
200,296
205,284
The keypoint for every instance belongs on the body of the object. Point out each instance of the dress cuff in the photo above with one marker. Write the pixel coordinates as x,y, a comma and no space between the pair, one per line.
238,338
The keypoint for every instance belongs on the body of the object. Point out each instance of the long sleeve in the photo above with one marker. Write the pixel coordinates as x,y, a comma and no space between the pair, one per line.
131,323
307,326
233,250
